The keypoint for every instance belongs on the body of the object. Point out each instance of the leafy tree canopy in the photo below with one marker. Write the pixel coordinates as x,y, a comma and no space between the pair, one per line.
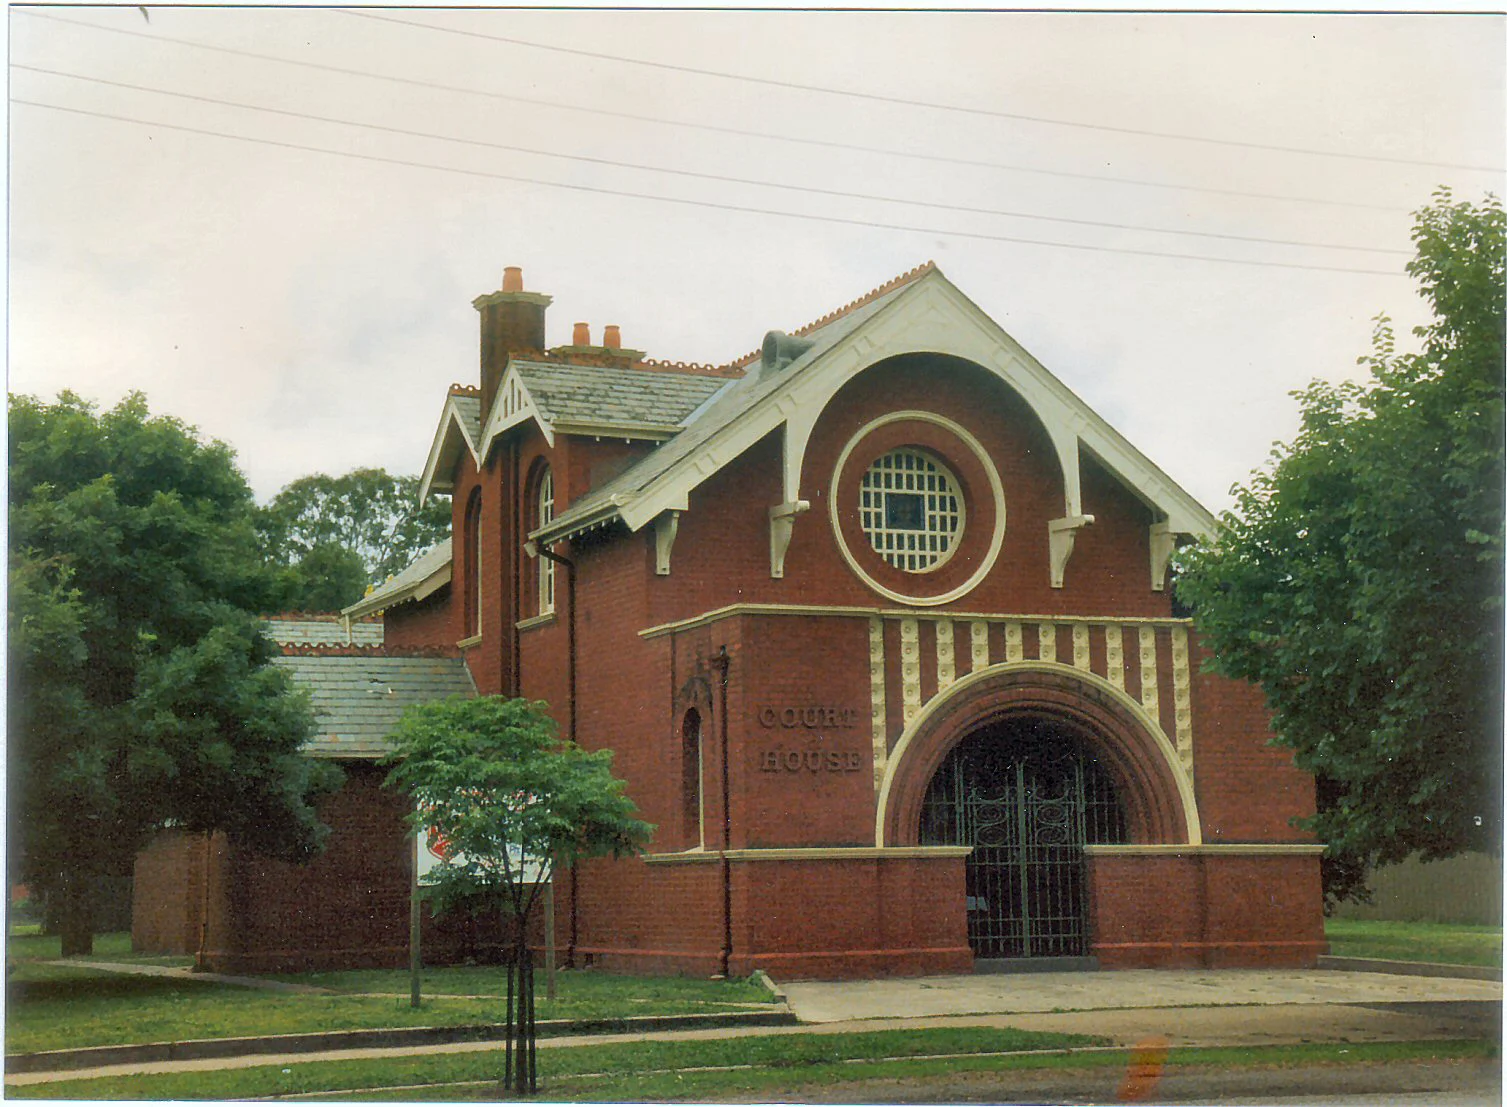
139,691
339,534
490,777
1359,579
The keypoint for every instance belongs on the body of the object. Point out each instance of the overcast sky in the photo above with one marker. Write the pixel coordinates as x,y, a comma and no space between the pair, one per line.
1102,185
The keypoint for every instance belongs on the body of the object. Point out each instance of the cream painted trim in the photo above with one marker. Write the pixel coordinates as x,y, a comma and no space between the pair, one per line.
1163,745
731,610
418,590
835,501
1211,849
685,857
930,315
449,418
535,621
512,391
468,643
813,853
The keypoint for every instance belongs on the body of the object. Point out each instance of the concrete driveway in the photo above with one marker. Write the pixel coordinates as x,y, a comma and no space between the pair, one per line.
1039,993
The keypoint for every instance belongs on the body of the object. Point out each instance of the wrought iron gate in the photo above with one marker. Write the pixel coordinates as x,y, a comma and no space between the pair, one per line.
1027,800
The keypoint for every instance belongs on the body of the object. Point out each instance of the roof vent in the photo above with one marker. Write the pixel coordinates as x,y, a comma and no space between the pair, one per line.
780,349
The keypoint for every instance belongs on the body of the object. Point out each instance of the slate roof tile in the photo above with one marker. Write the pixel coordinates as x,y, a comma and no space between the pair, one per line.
621,397
358,699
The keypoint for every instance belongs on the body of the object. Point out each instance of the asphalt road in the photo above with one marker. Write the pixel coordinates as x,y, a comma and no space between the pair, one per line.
1404,1084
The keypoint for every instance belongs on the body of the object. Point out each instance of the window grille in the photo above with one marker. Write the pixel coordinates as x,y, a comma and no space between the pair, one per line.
911,510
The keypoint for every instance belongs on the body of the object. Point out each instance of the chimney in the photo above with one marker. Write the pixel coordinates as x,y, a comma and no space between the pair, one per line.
512,322
581,336
612,337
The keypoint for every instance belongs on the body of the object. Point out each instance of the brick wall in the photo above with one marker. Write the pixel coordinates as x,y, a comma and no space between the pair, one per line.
795,713
1202,909
347,908
167,901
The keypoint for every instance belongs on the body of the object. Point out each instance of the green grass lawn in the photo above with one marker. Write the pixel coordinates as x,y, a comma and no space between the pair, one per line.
63,1006
772,1067
1442,943
30,944
609,1065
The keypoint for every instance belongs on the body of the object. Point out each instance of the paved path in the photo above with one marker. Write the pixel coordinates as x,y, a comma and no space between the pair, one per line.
1011,993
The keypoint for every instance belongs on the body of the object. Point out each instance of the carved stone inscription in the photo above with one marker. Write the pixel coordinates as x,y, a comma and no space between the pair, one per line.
813,720
810,761
810,718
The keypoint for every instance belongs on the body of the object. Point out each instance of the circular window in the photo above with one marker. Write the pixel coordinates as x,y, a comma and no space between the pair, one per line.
911,510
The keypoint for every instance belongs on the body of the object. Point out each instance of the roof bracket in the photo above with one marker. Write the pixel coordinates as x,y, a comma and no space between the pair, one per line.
665,529
1061,534
1163,545
781,527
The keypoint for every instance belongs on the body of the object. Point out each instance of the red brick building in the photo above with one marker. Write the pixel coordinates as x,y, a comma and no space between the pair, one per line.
877,622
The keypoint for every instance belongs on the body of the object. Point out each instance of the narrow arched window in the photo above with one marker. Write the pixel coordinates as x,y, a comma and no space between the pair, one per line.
471,557
690,778
544,502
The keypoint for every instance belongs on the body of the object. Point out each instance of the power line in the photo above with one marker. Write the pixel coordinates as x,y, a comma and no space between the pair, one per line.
902,101
706,204
713,128
717,177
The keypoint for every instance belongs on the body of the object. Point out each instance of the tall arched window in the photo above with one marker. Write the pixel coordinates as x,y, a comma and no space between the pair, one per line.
544,504
690,778
471,545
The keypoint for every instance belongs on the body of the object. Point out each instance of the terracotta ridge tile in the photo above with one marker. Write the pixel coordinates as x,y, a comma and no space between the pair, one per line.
309,649
322,617
862,301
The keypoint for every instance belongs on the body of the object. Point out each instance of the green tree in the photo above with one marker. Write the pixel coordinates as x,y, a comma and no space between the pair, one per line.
490,777
371,515
140,694
1359,580
327,578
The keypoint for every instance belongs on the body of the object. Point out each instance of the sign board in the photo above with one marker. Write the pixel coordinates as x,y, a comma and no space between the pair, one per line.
432,848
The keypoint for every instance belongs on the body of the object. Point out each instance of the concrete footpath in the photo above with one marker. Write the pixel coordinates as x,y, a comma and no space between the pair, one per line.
1191,1007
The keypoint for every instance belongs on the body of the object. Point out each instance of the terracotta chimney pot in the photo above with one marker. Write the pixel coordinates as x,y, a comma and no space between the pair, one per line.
612,337
582,335
512,279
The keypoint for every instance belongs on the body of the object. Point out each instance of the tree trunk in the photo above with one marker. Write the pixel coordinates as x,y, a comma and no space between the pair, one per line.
76,917
520,1066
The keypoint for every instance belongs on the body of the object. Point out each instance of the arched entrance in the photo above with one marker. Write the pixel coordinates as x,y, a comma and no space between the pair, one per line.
1027,793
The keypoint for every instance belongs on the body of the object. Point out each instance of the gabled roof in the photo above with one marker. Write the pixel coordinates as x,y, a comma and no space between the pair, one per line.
596,399
621,496
359,695
571,396
920,312
459,430
428,572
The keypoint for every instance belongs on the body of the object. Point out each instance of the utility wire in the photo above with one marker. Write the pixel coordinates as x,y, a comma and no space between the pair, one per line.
720,178
882,99
713,128
706,204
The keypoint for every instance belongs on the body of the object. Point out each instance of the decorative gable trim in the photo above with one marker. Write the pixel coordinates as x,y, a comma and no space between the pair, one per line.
927,314
449,439
513,406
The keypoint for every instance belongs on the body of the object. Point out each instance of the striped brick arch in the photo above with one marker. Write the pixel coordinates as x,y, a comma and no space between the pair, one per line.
1154,789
